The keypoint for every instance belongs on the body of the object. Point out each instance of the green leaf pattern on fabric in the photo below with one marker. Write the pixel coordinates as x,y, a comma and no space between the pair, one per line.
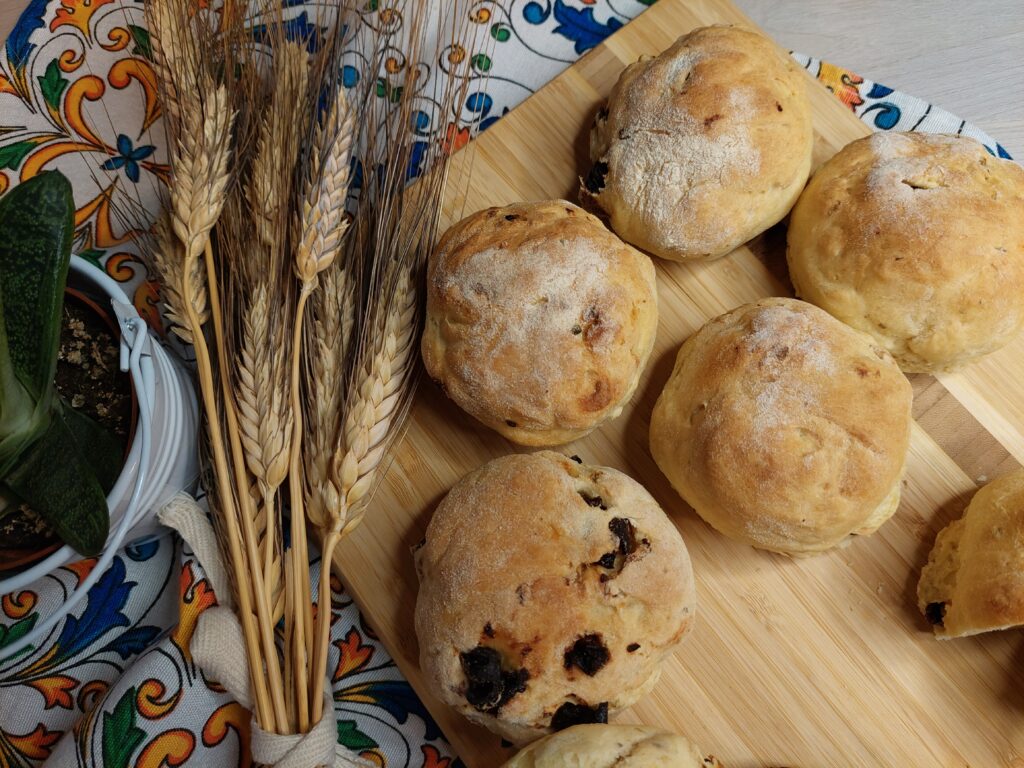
121,736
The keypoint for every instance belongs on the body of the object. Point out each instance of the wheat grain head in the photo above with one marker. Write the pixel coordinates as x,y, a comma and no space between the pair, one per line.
322,222
376,401
200,169
168,261
277,149
329,339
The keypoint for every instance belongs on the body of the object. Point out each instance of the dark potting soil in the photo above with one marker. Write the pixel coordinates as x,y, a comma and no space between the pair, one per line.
89,378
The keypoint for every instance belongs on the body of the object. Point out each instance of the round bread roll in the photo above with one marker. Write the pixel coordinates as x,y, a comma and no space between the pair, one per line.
704,147
917,239
539,320
612,746
974,579
550,591
784,428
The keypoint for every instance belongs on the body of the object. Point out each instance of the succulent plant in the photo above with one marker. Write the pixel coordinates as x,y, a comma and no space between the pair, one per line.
52,457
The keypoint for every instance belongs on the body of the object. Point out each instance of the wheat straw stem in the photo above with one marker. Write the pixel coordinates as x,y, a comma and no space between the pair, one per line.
247,512
264,711
368,424
289,669
302,627
322,226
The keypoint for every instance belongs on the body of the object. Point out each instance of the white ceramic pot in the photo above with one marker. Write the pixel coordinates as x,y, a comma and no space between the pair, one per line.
162,459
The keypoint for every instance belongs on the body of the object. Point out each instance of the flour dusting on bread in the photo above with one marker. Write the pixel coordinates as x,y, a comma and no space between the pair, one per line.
539,320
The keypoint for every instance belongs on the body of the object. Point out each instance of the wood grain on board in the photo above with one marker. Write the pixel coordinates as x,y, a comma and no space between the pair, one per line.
814,663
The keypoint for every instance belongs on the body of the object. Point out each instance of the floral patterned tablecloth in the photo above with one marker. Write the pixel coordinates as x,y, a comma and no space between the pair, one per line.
114,685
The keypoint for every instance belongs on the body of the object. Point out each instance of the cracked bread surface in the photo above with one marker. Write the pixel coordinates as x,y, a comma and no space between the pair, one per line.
784,428
569,577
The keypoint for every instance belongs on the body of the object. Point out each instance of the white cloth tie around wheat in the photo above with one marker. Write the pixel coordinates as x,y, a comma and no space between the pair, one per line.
216,636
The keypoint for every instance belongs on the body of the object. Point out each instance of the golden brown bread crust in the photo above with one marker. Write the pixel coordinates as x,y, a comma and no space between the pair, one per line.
974,579
784,428
521,557
612,746
703,147
917,239
539,320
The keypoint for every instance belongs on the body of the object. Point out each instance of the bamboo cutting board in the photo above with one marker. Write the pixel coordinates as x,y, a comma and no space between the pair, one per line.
817,662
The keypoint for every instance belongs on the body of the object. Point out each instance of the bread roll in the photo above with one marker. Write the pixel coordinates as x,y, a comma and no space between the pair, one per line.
703,147
784,428
539,320
974,579
917,239
550,592
612,746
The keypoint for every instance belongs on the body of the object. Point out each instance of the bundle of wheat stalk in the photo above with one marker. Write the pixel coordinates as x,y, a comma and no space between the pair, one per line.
303,316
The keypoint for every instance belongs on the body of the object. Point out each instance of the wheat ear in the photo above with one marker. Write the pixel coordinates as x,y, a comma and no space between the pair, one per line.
264,418
168,260
370,419
334,316
277,148
175,71
321,228
261,387
201,171
323,222
378,396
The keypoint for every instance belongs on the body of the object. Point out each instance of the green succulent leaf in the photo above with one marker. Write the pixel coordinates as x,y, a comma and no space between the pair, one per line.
22,417
101,449
36,226
43,445
57,482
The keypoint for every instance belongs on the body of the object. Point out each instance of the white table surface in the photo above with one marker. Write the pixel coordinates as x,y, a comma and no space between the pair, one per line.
966,57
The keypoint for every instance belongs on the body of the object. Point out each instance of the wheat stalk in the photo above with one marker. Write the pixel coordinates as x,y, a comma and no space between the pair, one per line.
371,416
322,225
201,128
200,180
261,386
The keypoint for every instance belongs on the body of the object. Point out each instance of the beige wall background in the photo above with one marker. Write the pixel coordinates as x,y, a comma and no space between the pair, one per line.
966,57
